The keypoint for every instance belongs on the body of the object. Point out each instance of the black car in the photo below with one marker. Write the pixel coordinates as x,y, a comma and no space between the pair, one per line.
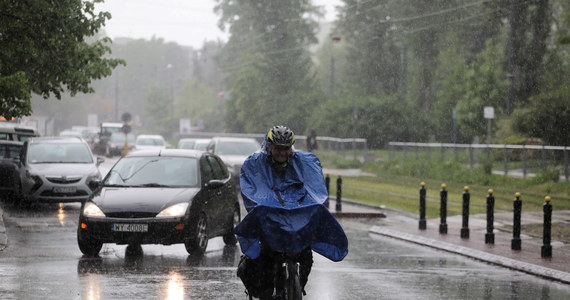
161,196
9,169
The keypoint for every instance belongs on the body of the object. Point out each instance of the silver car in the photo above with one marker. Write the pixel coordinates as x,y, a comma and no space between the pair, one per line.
233,151
58,169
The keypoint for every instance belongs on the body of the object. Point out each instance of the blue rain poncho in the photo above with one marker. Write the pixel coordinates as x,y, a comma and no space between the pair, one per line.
286,212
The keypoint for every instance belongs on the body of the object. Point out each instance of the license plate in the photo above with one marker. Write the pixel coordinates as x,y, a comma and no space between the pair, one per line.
65,189
130,227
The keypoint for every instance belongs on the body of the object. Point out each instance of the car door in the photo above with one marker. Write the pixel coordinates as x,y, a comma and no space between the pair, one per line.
208,194
223,211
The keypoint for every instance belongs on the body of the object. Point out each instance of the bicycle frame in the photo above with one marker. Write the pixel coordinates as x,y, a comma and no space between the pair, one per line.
287,283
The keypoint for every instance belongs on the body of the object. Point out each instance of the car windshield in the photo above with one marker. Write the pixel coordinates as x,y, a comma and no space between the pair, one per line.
119,137
237,148
154,172
59,153
150,142
201,145
189,144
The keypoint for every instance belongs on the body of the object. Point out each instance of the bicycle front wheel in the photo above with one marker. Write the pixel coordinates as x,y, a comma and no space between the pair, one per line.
293,288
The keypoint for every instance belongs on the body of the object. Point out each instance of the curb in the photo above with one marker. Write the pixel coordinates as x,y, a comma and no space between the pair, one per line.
476,254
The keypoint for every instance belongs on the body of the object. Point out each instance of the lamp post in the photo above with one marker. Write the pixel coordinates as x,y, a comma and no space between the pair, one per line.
335,39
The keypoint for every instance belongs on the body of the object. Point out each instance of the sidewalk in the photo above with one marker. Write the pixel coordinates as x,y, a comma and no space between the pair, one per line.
405,226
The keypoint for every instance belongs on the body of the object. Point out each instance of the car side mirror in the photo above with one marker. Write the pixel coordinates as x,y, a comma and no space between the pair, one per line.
214,183
93,185
100,160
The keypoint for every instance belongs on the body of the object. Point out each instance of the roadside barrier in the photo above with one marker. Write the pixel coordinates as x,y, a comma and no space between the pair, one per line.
516,244
490,235
465,219
443,209
338,206
546,249
517,206
422,223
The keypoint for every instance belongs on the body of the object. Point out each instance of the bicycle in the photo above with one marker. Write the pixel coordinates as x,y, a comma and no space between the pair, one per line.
287,282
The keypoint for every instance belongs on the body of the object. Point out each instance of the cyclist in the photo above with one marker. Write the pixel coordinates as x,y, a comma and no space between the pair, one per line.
283,191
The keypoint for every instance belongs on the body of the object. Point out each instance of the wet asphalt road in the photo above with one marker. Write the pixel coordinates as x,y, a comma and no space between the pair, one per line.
42,261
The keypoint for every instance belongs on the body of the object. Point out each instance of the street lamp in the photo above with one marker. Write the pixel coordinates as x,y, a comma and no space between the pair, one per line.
335,39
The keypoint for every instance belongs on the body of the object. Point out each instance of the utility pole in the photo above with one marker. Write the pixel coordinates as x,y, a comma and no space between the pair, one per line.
511,72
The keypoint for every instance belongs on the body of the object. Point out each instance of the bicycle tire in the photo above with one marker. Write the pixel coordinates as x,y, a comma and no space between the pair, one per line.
293,290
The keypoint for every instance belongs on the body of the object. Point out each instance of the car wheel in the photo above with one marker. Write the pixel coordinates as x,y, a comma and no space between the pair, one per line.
230,238
87,246
199,242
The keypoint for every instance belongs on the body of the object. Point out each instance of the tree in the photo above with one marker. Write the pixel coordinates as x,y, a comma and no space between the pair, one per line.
269,46
44,50
548,121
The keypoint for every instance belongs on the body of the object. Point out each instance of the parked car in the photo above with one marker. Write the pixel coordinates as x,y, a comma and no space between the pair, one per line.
149,141
57,169
116,143
9,166
233,151
161,196
70,133
191,143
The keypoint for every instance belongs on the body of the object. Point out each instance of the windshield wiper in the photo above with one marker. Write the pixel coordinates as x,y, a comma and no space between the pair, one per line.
153,184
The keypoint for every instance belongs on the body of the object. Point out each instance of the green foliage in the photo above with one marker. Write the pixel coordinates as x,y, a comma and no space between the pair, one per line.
332,160
198,101
45,51
270,71
159,116
376,120
485,85
547,116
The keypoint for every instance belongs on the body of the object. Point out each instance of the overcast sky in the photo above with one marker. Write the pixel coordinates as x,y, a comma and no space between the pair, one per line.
187,22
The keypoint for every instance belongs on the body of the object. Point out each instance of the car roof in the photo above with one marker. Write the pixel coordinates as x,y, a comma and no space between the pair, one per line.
57,139
233,139
11,142
153,136
166,152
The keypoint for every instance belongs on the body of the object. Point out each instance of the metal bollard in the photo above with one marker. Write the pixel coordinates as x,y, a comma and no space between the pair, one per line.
443,209
465,213
546,249
328,184
517,204
422,223
490,235
338,194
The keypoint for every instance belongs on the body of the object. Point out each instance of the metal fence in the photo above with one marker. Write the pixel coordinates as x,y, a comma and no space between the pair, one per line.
325,142
514,160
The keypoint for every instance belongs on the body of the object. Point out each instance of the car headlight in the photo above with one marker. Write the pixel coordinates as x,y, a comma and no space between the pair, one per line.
94,176
91,210
176,210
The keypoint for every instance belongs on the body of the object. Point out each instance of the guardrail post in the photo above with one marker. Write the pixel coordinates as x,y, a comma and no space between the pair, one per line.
546,249
443,209
517,205
566,175
338,193
328,184
506,160
422,223
490,235
465,215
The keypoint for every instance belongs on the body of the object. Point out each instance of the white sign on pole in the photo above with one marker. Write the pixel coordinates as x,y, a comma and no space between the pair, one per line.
489,112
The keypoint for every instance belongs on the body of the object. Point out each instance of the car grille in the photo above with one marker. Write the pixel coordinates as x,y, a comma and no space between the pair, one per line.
49,193
131,215
64,179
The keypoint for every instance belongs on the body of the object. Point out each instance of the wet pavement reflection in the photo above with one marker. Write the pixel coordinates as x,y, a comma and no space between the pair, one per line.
42,261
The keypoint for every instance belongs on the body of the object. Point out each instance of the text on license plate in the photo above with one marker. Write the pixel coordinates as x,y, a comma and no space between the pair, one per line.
64,189
130,227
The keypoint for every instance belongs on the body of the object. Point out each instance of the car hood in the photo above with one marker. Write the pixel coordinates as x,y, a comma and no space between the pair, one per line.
117,199
234,159
60,169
